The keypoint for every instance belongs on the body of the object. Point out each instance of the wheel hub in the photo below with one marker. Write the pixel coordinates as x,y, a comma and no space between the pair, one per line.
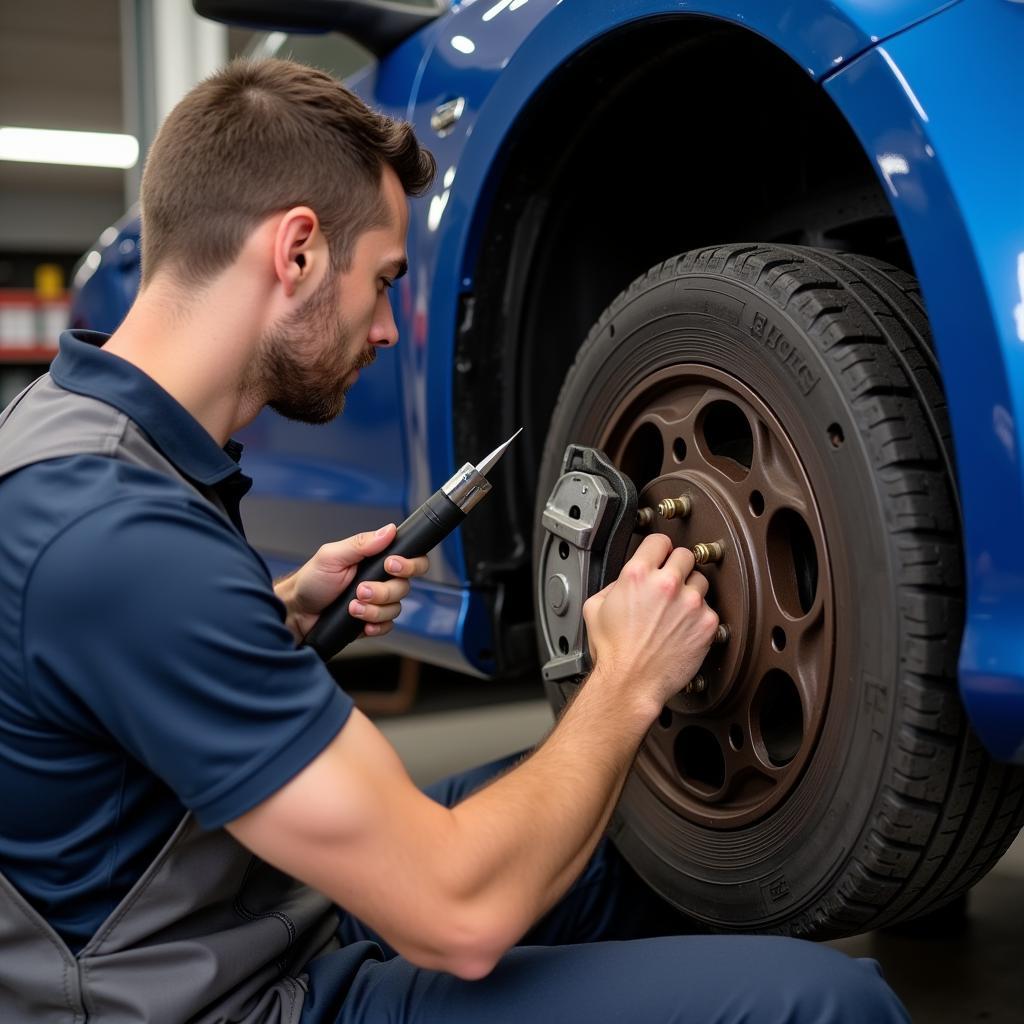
725,754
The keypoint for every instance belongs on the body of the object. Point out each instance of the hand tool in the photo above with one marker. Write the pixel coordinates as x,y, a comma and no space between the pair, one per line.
423,530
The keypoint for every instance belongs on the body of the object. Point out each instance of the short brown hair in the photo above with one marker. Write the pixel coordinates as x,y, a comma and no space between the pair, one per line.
258,137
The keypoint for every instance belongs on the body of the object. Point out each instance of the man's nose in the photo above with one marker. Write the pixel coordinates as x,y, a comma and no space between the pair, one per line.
384,330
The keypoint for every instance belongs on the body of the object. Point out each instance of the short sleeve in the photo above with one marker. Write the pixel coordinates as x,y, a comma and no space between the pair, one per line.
153,622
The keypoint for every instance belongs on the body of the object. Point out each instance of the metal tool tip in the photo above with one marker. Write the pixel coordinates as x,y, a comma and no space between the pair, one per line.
487,464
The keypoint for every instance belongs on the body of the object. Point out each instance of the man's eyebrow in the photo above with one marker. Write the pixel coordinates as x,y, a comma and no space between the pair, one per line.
398,268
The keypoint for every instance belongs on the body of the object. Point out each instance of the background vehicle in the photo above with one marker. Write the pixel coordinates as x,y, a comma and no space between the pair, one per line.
739,208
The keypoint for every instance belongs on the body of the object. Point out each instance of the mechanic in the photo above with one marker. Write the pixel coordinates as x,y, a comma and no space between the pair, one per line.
188,795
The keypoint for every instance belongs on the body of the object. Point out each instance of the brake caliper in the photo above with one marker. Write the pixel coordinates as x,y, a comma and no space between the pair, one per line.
589,521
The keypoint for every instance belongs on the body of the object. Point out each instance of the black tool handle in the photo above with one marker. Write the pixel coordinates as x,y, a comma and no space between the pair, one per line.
421,532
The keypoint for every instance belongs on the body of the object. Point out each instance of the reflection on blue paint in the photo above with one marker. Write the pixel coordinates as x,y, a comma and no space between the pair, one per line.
1018,310
891,164
903,82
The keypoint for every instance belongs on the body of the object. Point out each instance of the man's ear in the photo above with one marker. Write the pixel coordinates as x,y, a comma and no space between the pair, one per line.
298,246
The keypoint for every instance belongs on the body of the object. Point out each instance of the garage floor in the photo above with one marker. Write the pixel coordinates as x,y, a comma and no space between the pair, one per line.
976,974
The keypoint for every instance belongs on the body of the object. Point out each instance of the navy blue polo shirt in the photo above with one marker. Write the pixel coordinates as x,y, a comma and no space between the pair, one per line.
145,668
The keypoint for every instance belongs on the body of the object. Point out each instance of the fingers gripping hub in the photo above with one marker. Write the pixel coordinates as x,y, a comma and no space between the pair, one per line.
588,520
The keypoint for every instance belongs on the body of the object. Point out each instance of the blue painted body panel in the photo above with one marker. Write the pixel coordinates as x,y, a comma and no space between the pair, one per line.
942,120
107,278
938,117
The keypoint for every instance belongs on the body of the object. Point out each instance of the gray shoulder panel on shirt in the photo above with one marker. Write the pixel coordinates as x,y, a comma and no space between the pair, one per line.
47,421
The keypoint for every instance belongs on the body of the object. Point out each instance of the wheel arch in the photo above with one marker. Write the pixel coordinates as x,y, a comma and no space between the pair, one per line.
561,244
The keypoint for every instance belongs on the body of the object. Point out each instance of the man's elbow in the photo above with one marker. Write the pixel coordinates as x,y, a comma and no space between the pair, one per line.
468,945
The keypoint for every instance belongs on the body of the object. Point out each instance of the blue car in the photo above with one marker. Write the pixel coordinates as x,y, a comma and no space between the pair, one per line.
769,258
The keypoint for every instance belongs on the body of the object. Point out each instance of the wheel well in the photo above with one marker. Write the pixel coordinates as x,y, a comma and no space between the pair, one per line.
669,134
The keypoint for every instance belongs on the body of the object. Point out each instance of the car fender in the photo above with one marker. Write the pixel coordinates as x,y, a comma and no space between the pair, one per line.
941,122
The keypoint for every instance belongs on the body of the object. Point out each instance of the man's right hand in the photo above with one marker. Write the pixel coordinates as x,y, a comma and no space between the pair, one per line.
452,889
650,630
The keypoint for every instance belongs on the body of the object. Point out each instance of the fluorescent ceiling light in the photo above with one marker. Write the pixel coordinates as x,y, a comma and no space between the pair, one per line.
79,149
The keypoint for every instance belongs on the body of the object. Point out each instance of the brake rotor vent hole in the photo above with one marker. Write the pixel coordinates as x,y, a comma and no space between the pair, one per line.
728,438
679,449
563,550
574,512
644,454
792,562
665,718
756,502
699,758
563,645
735,737
780,717
835,435
779,638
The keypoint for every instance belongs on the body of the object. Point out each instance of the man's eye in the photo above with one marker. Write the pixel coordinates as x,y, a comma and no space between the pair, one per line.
387,283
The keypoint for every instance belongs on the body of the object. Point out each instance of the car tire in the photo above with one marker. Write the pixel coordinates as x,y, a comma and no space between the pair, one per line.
856,800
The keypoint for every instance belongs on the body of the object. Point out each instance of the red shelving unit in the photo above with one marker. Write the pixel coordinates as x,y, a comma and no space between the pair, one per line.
28,354
29,326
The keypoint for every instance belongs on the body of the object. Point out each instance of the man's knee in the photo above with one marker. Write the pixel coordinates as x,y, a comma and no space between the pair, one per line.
818,984
773,980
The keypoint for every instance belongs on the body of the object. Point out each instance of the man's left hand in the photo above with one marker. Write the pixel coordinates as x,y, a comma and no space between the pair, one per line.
315,585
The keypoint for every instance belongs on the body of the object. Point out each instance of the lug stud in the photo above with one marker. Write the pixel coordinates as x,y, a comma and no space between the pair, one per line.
710,552
675,508
722,634
644,517
698,684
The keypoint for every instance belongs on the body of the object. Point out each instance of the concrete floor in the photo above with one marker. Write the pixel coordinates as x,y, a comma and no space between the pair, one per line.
976,975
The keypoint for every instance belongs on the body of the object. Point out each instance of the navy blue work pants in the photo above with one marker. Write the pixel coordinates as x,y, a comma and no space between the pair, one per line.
609,951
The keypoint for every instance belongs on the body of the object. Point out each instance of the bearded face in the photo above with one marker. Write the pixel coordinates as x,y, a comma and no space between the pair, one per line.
306,363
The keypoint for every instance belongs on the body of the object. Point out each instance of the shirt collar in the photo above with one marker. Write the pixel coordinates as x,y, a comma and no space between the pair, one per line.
81,367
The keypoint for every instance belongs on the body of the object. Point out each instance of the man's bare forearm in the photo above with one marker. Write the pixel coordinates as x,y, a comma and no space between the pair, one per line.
454,888
284,588
525,838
